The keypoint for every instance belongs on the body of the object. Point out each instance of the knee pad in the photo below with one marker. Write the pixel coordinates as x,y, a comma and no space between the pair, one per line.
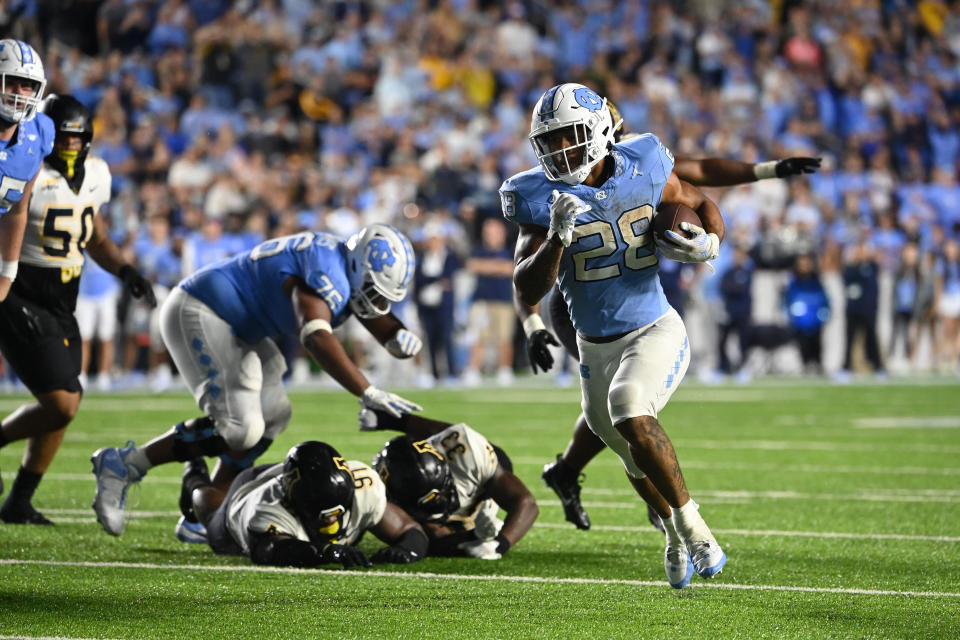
203,433
249,457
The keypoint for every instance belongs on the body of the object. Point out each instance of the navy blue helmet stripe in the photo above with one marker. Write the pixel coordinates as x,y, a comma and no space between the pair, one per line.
546,104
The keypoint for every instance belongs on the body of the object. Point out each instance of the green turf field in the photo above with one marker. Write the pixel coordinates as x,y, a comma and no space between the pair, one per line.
839,509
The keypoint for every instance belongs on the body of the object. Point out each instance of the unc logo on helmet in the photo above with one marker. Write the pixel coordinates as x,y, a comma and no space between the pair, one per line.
380,255
380,266
588,99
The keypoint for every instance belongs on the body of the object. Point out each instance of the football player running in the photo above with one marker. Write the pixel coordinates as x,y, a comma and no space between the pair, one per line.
218,326
309,510
585,215
39,336
563,475
26,139
453,482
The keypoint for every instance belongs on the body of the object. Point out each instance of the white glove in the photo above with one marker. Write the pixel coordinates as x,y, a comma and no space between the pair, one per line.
483,549
563,213
701,247
393,404
486,524
405,344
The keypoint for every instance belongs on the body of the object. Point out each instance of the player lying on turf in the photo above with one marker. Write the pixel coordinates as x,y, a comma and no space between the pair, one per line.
218,325
309,510
453,482
585,217
563,475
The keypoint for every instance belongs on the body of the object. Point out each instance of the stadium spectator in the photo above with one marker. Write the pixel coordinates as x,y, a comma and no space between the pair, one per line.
860,280
808,309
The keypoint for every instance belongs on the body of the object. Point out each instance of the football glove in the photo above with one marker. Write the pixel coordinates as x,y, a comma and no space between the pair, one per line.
486,525
701,247
394,555
563,213
483,549
796,166
404,344
538,349
345,554
138,286
393,404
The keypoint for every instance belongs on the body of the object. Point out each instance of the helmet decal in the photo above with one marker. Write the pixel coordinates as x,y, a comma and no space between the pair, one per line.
380,255
588,99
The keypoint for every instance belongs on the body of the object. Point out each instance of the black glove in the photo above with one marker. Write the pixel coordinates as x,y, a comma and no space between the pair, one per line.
395,555
537,349
796,166
345,554
137,285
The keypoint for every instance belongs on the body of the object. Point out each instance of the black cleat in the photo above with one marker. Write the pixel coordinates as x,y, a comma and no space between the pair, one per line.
23,515
195,474
655,520
566,484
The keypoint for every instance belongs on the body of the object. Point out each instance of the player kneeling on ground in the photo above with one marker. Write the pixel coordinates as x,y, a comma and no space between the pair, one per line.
454,482
306,511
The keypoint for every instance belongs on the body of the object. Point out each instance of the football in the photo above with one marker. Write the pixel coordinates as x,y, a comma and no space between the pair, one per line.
670,215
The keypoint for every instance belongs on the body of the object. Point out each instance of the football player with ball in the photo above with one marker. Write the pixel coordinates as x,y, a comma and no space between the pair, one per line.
585,217
563,475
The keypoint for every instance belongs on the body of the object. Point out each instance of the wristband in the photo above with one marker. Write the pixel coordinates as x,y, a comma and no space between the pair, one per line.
317,324
503,545
533,323
765,170
8,269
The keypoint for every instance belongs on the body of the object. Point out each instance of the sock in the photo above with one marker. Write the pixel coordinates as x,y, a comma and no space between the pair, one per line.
138,458
688,523
23,488
673,538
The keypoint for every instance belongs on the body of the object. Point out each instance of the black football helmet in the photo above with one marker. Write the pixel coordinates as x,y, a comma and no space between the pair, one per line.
318,487
69,117
418,479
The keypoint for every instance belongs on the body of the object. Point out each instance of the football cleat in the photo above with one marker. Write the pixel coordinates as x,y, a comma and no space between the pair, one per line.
679,567
114,477
23,514
187,531
707,557
566,484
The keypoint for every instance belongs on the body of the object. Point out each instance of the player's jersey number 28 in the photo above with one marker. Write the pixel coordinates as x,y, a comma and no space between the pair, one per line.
632,227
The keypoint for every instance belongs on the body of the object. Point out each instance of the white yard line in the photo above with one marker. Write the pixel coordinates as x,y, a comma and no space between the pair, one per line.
74,515
478,578
766,532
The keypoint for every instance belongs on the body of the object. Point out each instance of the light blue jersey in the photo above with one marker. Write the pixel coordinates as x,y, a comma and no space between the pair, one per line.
247,290
608,274
21,157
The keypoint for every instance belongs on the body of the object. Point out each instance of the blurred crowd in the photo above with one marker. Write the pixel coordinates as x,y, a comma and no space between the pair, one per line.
225,123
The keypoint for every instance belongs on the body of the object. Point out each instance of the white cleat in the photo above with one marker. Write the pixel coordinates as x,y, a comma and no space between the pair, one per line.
114,477
679,568
707,557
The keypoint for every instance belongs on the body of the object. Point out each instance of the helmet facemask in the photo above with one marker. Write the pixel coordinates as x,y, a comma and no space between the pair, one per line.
19,65
571,130
379,266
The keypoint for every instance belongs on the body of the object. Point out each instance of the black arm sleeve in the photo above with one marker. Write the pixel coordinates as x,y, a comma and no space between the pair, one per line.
284,551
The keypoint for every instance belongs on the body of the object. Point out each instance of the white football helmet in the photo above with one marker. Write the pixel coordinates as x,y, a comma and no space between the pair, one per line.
380,265
18,59
586,126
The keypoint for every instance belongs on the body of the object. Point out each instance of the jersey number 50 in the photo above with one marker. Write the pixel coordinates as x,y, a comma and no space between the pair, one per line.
634,228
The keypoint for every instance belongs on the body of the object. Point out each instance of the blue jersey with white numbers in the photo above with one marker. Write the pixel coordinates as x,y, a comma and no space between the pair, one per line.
21,157
608,274
247,290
